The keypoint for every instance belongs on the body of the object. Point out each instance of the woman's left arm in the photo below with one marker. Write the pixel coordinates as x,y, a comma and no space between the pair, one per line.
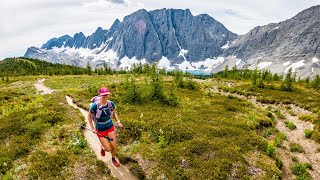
115,116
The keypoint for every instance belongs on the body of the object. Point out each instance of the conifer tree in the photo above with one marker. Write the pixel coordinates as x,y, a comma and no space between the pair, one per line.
88,69
254,77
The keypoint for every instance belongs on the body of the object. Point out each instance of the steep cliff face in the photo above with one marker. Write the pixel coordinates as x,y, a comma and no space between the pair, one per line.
174,34
177,39
292,41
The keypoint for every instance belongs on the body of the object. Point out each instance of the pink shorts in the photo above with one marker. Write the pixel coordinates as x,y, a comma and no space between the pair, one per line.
105,133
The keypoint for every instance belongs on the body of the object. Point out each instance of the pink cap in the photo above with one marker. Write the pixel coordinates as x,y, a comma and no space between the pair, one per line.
104,91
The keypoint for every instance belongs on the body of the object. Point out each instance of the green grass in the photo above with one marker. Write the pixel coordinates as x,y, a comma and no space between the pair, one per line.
203,131
294,147
300,170
280,137
38,134
301,96
308,117
279,114
308,133
290,125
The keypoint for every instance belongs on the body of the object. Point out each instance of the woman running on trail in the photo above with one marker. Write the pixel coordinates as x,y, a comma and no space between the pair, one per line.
103,124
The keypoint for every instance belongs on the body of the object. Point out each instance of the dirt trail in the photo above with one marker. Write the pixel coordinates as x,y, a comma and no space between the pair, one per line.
41,88
122,171
311,148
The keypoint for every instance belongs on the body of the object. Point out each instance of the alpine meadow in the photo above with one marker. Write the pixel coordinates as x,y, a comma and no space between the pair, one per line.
179,127
163,94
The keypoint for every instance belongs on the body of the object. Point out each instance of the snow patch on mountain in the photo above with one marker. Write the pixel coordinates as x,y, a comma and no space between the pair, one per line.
287,63
314,60
294,66
225,46
164,63
186,65
263,65
208,63
183,52
238,62
127,63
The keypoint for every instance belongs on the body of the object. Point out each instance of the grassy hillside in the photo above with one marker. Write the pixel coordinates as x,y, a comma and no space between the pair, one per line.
25,66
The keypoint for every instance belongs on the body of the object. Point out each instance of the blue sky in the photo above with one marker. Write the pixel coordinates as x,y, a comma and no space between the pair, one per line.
33,22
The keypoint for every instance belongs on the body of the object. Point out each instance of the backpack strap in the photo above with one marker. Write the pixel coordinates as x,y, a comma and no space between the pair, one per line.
110,107
99,110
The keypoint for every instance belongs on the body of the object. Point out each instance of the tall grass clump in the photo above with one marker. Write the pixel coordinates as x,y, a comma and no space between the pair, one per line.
46,165
280,137
290,125
308,133
279,114
308,117
300,170
271,149
294,147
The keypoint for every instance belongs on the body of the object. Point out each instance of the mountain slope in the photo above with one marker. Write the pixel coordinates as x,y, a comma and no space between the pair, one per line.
178,40
292,43
172,35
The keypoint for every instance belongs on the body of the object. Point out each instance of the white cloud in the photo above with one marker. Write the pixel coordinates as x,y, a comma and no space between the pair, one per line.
33,22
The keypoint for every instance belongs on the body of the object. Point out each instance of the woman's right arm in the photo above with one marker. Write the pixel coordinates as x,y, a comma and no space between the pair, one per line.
90,122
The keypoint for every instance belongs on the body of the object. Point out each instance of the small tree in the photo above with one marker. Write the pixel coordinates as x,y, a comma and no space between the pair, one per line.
287,83
178,78
225,72
316,82
88,69
260,83
132,94
156,85
254,77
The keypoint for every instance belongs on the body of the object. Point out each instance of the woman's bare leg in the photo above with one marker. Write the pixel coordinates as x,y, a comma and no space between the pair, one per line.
113,143
104,142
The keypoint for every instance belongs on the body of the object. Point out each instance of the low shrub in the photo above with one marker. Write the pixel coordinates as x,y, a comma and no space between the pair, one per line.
265,100
279,114
77,142
271,149
295,159
290,125
6,163
137,171
102,168
308,117
292,113
279,163
294,147
47,166
266,133
308,133
280,137
300,170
